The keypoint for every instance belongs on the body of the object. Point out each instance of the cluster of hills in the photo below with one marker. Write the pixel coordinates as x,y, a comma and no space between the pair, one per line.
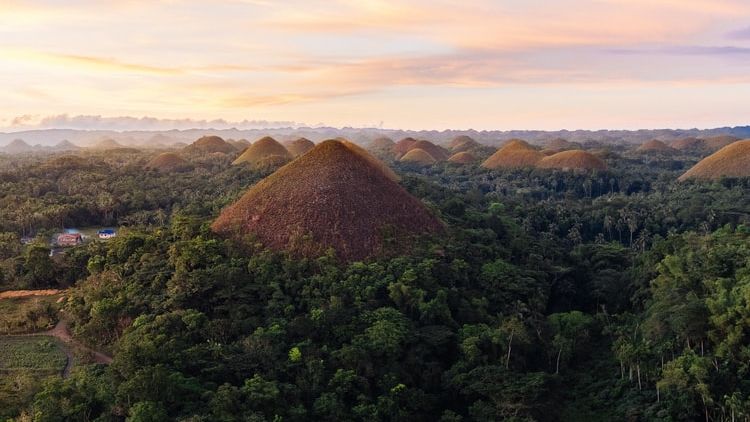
172,138
337,195
19,146
519,154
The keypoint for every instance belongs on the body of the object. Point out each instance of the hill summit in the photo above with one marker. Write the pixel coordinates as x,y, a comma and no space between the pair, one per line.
514,154
573,160
331,197
462,157
264,150
168,161
655,146
18,146
300,146
210,145
731,161
418,156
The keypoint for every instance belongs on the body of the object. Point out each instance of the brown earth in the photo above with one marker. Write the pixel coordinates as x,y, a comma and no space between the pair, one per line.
331,197
573,160
211,144
419,156
261,149
437,152
731,161
403,146
715,143
27,293
382,143
463,143
514,154
167,161
389,173
687,144
300,146
462,158
656,146
559,144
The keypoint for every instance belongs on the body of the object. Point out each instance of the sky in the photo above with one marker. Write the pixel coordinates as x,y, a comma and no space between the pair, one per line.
412,64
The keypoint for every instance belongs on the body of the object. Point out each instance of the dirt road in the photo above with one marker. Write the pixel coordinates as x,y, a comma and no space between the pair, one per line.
62,332
27,293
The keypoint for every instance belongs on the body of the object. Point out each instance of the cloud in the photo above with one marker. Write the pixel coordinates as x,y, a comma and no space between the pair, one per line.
687,50
122,123
739,34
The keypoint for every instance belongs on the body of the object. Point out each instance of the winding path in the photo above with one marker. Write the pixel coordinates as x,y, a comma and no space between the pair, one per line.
61,331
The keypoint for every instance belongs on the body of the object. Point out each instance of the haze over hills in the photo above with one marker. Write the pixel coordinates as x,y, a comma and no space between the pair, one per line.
159,138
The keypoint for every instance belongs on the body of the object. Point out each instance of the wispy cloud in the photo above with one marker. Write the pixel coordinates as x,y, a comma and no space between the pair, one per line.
328,58
686,50
95,122
739,34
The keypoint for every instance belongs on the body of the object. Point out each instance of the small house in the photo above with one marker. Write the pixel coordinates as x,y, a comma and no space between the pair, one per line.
69,239
106,233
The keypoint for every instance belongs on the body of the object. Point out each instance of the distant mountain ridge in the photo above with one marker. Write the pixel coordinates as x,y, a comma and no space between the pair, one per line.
161,139
19,146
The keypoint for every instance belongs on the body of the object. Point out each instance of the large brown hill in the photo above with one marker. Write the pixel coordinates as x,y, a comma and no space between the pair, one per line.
463,143
168,161
559,144
573,160
715,143
437,152
419,156
331,197
107,143
261,150
731,161
403,146
382,143
514,154
462,158
210,145
240,144
389,173
300,146
688,144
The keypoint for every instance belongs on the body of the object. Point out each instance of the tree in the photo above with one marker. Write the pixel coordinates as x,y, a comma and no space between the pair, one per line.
569,329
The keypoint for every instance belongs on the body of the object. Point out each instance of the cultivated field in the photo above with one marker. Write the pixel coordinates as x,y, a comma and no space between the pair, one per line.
31,353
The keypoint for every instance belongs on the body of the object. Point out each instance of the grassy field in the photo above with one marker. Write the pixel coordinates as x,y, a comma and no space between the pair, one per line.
28,314
31,353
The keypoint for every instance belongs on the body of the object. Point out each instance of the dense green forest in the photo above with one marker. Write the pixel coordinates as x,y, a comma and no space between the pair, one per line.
618,295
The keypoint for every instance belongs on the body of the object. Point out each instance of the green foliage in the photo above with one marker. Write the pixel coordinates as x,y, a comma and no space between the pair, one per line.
554,296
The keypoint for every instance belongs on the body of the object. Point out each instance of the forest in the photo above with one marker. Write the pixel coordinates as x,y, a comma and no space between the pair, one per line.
610,295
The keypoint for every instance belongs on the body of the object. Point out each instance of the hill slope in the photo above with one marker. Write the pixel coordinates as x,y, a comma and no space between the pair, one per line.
210,145
419,156
655,146
462,158
167,161
300,146
331,197
573,160
731,161
514,154
261,150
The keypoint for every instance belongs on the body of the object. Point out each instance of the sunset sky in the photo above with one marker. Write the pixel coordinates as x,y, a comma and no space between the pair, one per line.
420,64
